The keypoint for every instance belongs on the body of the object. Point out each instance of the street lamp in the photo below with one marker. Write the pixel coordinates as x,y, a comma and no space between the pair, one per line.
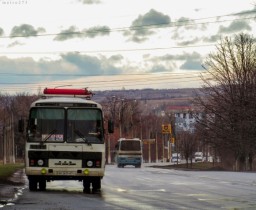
112,110
121,117
163,135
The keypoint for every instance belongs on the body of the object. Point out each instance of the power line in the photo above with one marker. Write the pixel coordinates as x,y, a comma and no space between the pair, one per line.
116,50
79,75
148,26
109,84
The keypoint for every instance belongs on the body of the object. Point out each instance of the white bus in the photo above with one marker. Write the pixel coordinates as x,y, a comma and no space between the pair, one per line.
128,152
65,139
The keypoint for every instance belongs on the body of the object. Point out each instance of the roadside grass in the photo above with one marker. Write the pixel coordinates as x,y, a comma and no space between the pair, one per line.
204,166
7,170
200,166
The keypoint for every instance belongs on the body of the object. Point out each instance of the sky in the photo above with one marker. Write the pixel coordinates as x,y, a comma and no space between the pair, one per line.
113,44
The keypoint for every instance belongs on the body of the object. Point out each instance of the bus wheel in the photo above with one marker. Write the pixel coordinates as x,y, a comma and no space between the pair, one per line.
96,184
86,185
42,184
32,184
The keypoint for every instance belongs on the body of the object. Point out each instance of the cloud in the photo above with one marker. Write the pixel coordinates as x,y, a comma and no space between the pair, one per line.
186,31
72,32
116,58
235,26
168,62
96,31
189,42
161,68
69,66
90,1
1,32
25,30
187,23
212,39
16,67
192,65
144,25
192,61
91,65
14,44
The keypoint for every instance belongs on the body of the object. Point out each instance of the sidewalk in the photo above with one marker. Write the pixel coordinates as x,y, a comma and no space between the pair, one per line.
9,191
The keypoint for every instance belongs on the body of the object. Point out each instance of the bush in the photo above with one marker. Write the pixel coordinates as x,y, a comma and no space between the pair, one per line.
7,170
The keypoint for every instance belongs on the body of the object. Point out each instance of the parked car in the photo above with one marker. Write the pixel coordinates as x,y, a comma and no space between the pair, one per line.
199,157
176,157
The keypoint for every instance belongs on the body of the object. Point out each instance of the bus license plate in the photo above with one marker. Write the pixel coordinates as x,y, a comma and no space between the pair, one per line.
66,173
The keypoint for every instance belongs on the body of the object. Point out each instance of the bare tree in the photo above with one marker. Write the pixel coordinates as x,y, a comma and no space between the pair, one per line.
229,106
188,145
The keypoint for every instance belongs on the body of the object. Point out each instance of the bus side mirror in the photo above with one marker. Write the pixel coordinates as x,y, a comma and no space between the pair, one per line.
21,125
110,126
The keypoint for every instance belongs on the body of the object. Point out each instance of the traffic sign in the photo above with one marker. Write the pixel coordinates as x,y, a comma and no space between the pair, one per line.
166,129
172,140
148,141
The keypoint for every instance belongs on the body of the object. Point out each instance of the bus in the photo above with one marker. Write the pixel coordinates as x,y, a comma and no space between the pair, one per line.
65,139
128,152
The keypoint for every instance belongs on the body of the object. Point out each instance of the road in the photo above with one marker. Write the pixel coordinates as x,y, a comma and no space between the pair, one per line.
148,188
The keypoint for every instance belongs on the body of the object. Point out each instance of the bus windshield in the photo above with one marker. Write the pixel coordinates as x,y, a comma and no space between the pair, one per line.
70,125
46,124
84,125
130,145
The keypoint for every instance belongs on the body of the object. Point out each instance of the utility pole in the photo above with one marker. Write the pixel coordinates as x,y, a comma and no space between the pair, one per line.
156,149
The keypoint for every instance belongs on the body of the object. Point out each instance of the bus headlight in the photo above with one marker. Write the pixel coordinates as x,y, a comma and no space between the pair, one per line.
89,163
40,162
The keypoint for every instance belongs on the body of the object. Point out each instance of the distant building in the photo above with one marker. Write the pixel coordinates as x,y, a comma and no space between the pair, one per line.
184,118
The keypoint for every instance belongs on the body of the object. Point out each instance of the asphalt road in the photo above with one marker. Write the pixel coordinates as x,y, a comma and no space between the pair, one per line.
148,188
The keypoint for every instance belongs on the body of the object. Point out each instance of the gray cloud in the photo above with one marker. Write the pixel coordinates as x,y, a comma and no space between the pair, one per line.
192,65
90,65
168,62
116,58
190,24
16,43
189,42
178,57
96,31
16,66
246,12
69,66
144,25
1,32
72,32
193,62
25,30
211,39
192,56
235,26
186,23
160,68
183,27
90,1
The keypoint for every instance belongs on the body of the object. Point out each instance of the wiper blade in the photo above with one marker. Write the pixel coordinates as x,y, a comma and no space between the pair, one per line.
51,133
82,136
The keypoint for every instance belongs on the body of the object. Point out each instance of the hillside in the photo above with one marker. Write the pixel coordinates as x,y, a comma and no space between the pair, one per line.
148,94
